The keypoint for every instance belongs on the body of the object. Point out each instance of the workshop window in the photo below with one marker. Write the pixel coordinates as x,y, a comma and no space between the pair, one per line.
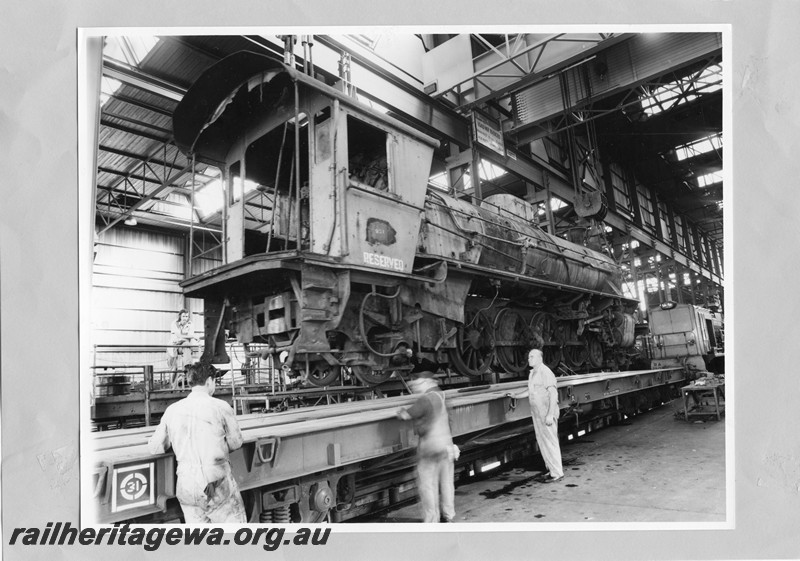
646,207
679,235
622,198
663,215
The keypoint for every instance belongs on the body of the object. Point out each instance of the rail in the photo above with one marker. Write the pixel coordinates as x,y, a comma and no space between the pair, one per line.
126,390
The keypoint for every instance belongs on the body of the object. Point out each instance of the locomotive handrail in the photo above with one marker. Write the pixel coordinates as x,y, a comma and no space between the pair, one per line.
372,191
541,281
511,257
558,251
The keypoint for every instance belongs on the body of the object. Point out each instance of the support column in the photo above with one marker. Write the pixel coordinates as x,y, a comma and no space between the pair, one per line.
656,215
609,187
698,246
551,227
642,298
630,180
692,286
716,258
475,168
659,279
673,229
456,164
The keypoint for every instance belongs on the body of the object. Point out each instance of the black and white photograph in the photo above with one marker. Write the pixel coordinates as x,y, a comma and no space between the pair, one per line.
333,222
451,287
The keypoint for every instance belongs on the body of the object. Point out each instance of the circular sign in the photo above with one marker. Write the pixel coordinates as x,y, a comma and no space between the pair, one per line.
133,486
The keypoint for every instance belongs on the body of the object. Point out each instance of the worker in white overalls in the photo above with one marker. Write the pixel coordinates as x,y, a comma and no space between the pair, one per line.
543,397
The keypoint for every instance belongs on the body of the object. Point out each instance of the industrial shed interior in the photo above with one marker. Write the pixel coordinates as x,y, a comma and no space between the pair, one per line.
336,212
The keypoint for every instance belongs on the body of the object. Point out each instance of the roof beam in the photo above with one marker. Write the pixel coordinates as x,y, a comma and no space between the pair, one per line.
141,104
387,89
131,130
165,187
141,80
145,158
628,65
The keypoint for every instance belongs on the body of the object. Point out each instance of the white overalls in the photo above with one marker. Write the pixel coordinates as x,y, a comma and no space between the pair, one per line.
543,397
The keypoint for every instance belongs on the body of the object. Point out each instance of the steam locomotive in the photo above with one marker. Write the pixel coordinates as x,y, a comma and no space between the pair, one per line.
337,254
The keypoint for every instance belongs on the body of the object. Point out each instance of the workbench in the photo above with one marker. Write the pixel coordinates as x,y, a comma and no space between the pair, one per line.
699,393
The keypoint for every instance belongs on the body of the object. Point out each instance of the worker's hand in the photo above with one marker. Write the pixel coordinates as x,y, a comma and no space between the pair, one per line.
549,420
403,414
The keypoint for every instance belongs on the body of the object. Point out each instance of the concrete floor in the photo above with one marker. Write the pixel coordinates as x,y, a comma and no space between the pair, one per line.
653,468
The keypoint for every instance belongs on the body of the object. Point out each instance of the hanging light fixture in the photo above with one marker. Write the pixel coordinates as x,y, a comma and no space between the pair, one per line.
131,221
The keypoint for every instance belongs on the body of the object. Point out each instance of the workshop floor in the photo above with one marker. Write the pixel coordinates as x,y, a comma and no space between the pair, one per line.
654,468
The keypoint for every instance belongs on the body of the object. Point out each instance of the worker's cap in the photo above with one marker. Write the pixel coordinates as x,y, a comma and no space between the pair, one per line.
423,374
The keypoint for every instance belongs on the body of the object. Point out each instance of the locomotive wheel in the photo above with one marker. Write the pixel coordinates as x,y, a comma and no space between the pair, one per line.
575,351
321,374
368,376
474,350
595,348
545,326
513,340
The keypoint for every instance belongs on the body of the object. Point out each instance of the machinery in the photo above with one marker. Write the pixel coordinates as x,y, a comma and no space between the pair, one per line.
686,335
344,461
337,255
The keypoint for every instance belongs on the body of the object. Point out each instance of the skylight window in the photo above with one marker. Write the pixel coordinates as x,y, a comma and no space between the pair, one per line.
368,41
488,171
682,91
439,181
709,179
208,199
107,88
699,147
555,204
130,50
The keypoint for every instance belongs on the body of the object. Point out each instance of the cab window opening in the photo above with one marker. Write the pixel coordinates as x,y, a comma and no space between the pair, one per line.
270,211
367,157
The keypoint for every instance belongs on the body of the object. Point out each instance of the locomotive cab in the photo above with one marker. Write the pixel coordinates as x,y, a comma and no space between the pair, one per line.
323,195
305,166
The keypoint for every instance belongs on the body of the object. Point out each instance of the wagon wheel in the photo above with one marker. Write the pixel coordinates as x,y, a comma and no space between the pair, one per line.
474,350
574,350
595,348
368,376
514,338
545,326
320,373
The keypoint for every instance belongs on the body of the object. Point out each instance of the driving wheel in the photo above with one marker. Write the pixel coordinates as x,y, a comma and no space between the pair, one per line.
545,326
513,340
320,373
474,351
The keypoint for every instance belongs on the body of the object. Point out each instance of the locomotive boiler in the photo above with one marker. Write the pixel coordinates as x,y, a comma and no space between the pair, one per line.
336,254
